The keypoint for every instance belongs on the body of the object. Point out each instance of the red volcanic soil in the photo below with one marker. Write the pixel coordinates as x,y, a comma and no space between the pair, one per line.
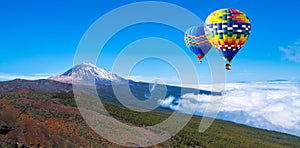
29,121
39,124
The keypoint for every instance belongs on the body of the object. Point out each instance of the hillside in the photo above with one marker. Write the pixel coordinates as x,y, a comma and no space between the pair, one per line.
32,119
105,92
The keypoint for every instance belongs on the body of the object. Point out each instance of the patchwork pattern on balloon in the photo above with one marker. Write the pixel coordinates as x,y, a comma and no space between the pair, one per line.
227,30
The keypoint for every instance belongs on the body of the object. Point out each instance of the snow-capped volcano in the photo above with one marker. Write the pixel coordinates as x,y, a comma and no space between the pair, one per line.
88,73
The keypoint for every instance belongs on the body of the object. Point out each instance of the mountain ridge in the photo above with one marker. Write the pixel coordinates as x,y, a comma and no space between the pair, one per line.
41,85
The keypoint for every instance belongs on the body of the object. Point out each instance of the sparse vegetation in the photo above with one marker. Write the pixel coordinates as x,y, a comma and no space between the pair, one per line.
53,120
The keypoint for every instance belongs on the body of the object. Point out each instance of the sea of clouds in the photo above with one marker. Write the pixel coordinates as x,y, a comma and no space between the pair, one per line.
273,105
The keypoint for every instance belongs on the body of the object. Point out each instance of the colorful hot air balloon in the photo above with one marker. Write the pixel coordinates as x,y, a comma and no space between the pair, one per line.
196,41
227,30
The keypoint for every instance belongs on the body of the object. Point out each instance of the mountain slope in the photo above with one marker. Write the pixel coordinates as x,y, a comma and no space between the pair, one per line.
52,120
87,73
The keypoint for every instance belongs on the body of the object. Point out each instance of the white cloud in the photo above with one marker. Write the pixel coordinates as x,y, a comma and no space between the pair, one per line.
292,52
4,76
273,106
167,101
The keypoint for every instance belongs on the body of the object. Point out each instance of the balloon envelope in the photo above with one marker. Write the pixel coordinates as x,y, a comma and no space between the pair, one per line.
227,30
196,41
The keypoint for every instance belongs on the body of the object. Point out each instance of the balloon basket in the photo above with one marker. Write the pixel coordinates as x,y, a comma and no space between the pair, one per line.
228,67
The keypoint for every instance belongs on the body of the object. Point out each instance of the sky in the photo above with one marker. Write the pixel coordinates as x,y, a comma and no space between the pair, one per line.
40,38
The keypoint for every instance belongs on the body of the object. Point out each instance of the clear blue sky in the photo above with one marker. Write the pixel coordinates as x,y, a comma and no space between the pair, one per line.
40,37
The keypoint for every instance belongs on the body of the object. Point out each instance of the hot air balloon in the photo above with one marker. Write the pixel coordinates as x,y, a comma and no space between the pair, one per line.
196,41
227,30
